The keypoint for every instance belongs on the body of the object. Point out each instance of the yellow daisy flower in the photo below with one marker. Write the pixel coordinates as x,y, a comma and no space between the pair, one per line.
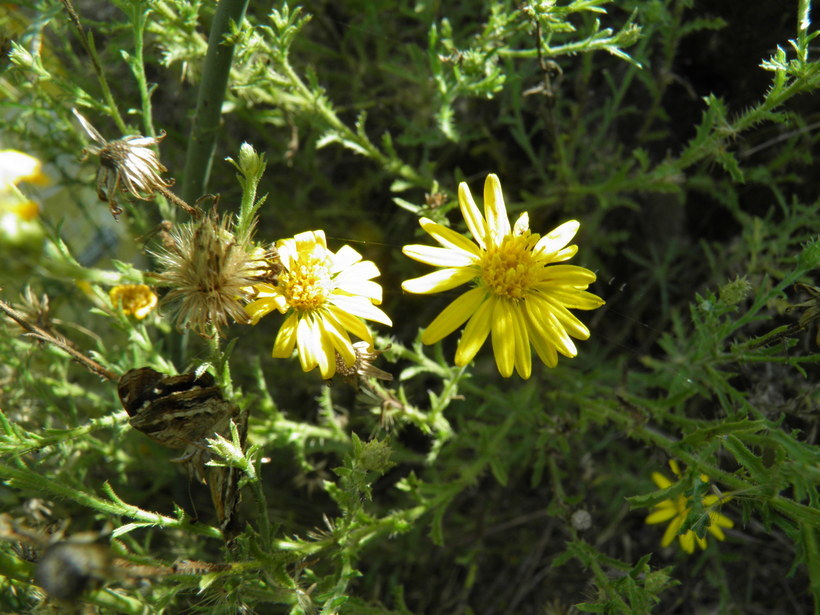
515,294
136,299
325,296
675,510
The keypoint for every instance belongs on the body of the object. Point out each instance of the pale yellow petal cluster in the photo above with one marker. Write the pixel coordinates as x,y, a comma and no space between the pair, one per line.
325,296
520,297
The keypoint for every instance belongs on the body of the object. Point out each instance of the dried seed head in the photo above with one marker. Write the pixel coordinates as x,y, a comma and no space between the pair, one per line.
211,274
362,366
129,165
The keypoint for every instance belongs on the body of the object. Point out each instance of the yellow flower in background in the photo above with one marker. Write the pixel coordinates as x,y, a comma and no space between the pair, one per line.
675,510
17,167
19,224
518,294
326,296
136,299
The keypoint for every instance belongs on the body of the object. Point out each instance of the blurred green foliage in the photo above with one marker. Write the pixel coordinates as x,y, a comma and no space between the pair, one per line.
683,136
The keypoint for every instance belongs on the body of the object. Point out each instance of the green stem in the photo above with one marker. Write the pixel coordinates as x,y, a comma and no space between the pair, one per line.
215,73
139,19
22,446
87,42
28,479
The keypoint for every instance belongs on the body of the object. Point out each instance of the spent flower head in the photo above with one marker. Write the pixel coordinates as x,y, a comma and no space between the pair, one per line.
129,165
363,365
519,294
210,273
677,509
325,295
135,299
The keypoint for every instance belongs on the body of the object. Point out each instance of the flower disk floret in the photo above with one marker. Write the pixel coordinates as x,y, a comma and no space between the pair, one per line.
519,294
326,296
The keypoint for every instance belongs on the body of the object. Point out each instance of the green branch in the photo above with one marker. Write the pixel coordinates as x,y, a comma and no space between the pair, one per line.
202,141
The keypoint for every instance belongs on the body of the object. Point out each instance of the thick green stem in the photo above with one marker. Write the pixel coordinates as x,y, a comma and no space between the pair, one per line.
202,142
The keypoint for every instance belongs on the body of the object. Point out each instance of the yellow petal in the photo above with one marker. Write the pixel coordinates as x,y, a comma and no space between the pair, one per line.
327,364
563,255
719,520
438,281
259,308
351,323
494,209
346,257
503,338
361,288
476,332
439,257
454,315
308,343
334,332
569,324
522,225
544,323
687,541
364,270
543,348
472,216
673,464
309,240
671,531
563,342
661,515
361,307
715,531
286,338
557,238
569,297
661,481
568,275
449,238
523,354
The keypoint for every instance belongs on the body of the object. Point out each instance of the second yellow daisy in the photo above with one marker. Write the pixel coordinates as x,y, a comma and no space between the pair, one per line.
519,295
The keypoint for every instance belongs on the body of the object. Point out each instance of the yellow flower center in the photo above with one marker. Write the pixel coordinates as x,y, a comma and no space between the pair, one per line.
308,285
136,299
509,269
